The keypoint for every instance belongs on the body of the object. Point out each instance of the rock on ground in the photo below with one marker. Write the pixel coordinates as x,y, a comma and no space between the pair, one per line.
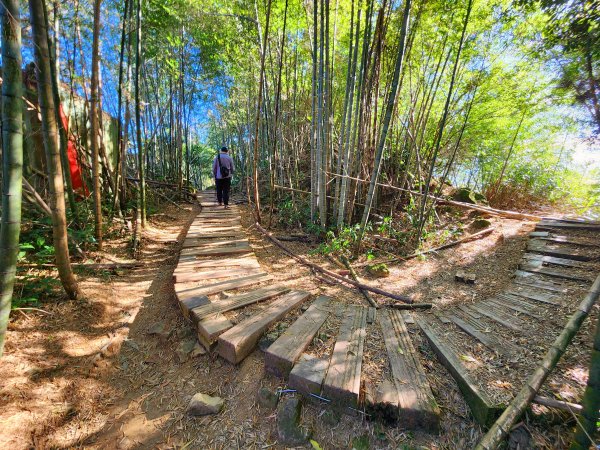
288,418
203,404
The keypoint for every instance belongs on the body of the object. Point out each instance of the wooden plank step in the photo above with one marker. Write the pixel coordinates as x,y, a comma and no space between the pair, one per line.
188,291
209,275
217,251
192,243
544,260
532,294
408,399
212,236
568,240
237,343
342,382
195,263
308,374
498,303
483,409
549,225
237,301
506,320
538,284
474,329
283,353
521,301
556,273
545,248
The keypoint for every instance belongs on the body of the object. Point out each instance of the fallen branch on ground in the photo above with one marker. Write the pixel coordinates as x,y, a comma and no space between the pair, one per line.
92,266
413,306
431,250
329,273
517,407
557,404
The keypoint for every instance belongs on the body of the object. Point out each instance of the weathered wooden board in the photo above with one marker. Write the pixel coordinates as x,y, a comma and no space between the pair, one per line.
237,343
540,284
476,330
415,406
215,236
211,327
283,353
237,301
484,410
545,260
556,273
504,302
503,319
193,243
209,275
342,382
195,263
217,251
185,291
569,240
308,374
549,225
189,303
545,248
532,294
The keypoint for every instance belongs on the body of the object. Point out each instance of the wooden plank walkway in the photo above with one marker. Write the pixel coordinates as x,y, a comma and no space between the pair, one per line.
235,344
285,351
217,257
342,383
408,399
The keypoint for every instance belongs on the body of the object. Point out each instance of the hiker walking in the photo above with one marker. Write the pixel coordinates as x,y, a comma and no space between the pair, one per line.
222,170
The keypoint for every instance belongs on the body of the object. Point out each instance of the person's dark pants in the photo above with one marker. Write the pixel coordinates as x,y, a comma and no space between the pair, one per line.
223,187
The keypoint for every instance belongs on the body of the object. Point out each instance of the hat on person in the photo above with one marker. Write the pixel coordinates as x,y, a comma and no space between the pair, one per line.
224,149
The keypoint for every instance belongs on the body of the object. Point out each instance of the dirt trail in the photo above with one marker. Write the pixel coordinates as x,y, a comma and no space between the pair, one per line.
112,372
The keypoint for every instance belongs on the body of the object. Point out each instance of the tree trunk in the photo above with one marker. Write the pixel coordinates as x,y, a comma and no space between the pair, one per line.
258,111
141,207
95,128
12,156
386,120
50,133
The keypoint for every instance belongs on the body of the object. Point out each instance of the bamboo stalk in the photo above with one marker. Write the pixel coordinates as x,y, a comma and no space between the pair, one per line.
502,427
331,274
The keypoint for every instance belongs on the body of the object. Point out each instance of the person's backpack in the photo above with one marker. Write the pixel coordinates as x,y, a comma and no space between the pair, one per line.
224,170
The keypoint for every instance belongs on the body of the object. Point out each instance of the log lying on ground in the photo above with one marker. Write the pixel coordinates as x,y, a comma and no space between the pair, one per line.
91,266
331,274
364,292
411,306
517,407
557,404
477,235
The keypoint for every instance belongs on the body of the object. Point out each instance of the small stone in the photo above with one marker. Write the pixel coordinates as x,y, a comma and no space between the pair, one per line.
185,348
465,277
158,329
203,404
378,270
131,344
288,418
266,399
